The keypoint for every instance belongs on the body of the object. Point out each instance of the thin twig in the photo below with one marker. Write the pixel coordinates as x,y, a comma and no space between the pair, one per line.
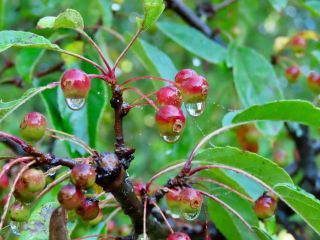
137,91
163,216
148,78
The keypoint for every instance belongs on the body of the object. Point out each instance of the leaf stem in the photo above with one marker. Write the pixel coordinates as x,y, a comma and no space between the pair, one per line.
163,216
134,38
137,91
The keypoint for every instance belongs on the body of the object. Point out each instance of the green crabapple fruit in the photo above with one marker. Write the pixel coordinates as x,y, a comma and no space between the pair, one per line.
22,193
170,122
83,175
190,203
34,180
33,126
70,197
19,212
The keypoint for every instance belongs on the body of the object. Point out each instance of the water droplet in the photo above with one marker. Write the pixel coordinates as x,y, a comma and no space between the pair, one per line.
15,228
171,139
191,216
75,103
195,109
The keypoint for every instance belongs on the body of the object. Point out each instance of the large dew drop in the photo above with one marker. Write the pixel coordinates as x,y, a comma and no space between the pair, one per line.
75,103
191,216
14,226
195,109
171,139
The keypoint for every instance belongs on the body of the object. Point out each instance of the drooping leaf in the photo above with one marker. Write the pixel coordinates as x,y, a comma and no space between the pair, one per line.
193,41
7,108
262,168
152,11
279,5
9,38
256,82
285,110
70,18
262,235
303,203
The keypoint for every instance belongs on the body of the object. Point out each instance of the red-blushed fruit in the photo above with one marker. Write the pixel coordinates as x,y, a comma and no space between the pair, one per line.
75,84
314,82
173,198
97,219
170,122
88,209
22,194
298,44
248,137
190,203
178,236
83,175
34,180
110,226
265,206
293,73
3,201
4,182
124,230
33,126
70,197
280,156
169,95
184,74
19,212
194,89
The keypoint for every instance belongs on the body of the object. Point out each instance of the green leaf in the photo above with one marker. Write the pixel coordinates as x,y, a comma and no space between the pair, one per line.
26,61
106,12
262,168
279,5
194,41
155,61
1,13
313,6
74,47
152,11
303,203
228,224
6,108
286,110
256,82
10,39
70,18
262,235
37,227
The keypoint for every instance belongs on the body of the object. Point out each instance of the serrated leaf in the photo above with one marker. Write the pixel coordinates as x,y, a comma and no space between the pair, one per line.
152,11
10,39
256,83
285,110
258,166
194,41
6,108
303,203
279,5
70,18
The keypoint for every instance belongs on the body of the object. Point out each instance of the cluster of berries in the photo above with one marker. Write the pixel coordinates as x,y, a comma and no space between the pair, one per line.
190,88
27,188
71,196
